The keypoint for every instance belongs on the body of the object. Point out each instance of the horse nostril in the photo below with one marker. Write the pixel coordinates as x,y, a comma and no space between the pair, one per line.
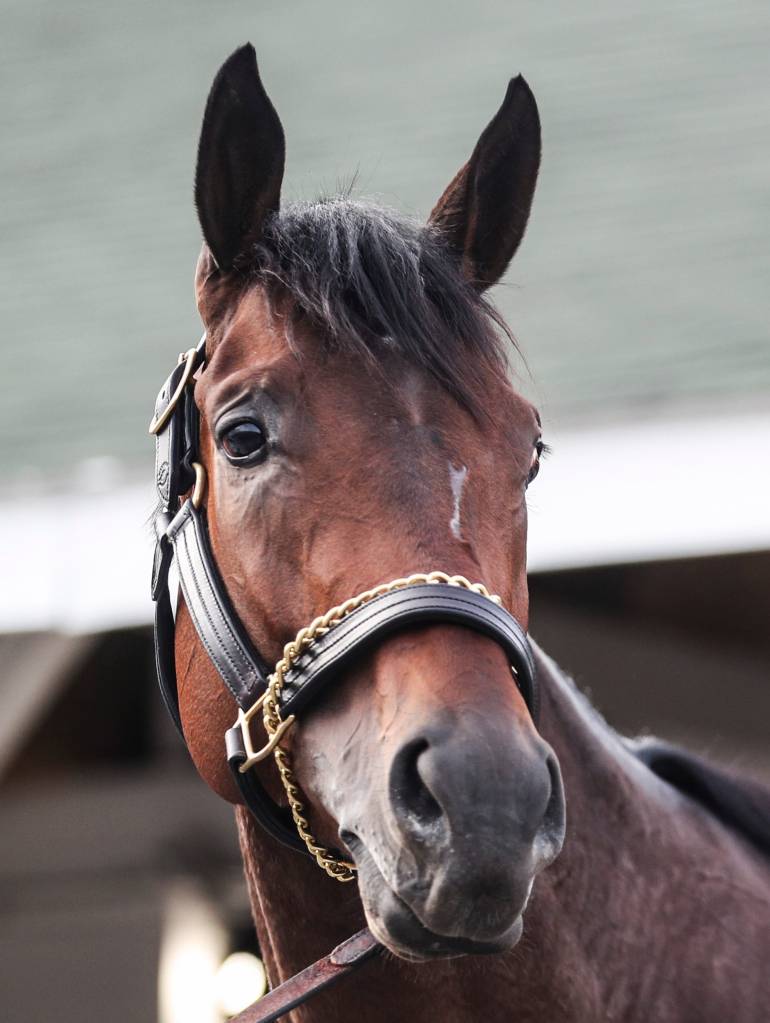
551,832
350,840
411,798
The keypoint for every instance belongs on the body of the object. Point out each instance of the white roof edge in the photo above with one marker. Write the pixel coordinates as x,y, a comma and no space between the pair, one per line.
645,492
620,493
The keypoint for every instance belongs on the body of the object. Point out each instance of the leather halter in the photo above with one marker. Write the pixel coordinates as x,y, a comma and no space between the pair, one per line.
182,536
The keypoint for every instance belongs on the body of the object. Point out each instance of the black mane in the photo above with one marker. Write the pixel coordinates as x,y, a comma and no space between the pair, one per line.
740,803
377,283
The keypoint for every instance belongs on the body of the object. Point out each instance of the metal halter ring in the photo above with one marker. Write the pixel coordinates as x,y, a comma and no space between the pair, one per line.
190,359
244,718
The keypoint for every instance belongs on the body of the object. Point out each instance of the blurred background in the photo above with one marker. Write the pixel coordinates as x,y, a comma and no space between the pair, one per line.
639,298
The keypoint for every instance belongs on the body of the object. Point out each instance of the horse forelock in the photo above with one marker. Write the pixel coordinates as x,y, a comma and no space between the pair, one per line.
377,284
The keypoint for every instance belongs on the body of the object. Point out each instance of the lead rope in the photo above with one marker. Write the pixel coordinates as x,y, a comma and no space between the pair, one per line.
276,727
340,962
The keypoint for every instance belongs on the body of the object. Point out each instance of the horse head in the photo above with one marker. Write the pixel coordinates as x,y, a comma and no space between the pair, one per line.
358,425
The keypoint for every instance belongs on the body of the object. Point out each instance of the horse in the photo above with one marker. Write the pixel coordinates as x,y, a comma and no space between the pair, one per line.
358,425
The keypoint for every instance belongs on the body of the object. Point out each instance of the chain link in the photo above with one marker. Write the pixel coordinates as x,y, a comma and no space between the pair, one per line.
340,869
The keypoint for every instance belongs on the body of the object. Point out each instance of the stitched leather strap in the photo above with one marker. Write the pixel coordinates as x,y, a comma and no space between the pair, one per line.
168,447
425,604
341,961
164,656
371,623
242,669
230,649
276,820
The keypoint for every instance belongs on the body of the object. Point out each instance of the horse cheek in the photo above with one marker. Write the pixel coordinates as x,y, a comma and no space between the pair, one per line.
206,708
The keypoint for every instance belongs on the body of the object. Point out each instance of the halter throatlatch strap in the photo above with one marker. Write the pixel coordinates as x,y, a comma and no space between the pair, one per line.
320,652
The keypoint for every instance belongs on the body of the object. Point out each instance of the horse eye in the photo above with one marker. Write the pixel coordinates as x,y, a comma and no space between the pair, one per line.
534,467
243,441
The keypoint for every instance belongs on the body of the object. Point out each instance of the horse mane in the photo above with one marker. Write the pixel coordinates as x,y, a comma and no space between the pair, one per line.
738,802
377,283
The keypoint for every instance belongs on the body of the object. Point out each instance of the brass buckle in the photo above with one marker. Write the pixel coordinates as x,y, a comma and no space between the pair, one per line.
243,721
190,359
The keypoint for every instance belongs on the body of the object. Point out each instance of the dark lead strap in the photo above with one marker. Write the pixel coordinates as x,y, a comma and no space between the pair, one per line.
341,961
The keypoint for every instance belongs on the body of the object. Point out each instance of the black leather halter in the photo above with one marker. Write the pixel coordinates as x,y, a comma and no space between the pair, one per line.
182,537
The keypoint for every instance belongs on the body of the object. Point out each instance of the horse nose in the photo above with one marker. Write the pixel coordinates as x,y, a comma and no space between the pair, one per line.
480,805
455,785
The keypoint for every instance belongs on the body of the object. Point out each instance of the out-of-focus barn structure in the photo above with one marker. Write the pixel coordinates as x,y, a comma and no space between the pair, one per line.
639,299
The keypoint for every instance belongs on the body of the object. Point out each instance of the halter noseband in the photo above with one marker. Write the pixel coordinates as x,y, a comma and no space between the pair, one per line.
318,653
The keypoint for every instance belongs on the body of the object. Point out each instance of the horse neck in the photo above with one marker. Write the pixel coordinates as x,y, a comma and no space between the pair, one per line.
612,878
650,890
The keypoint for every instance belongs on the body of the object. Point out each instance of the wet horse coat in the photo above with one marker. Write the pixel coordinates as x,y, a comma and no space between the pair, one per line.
357,425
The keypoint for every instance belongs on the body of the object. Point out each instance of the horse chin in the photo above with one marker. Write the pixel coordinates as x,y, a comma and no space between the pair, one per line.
397,926
399,929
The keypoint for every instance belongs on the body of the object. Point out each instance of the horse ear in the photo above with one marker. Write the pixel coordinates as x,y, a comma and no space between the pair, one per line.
484,212
240,159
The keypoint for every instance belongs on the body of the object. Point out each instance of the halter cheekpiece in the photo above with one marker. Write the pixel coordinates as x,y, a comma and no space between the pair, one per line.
319,652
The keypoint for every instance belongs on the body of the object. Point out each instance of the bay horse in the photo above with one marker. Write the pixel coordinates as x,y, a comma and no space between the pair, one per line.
357,425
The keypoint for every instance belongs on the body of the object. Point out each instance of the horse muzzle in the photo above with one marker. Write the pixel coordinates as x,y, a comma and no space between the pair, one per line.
475,811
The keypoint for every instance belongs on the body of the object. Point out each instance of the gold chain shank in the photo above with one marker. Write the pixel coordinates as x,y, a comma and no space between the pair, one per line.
276,727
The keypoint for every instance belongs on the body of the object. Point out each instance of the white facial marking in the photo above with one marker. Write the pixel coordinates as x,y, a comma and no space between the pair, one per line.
457,479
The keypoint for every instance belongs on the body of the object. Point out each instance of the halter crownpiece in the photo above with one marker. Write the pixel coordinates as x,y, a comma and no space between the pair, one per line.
319,652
